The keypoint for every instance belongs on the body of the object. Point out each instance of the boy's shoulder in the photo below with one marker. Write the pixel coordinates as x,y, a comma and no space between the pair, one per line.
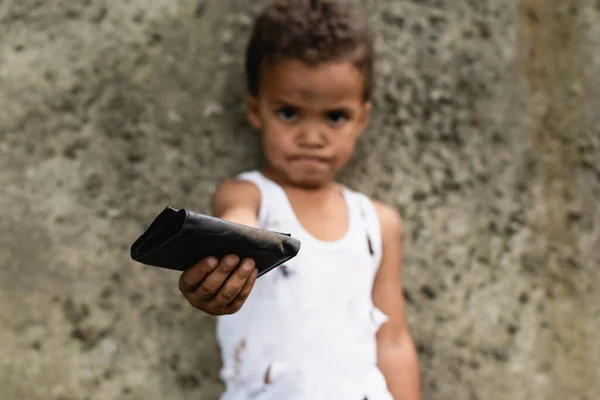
384,210
389,217
233,192
234,185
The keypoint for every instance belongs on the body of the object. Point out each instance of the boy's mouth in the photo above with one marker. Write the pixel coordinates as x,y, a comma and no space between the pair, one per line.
309,160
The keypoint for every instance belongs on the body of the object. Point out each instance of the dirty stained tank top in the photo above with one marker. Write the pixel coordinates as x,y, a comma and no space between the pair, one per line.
310,323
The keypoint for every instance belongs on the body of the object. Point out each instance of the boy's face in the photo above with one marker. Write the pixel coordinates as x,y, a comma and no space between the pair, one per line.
310,118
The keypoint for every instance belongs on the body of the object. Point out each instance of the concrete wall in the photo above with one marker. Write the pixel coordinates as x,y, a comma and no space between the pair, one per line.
485,137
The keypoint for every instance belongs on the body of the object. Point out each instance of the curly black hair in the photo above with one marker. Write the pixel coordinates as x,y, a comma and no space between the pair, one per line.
314,31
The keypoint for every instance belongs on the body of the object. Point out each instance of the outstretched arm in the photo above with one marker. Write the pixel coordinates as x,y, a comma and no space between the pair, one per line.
220,287
397,357
237,201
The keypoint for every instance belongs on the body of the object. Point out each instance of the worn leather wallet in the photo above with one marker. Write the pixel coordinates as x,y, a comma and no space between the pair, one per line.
178,239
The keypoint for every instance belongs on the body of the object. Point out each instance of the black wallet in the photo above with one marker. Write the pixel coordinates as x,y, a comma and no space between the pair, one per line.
178,239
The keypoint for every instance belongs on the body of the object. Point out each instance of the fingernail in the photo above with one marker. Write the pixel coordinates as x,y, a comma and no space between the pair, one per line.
248,266
233,259
212,262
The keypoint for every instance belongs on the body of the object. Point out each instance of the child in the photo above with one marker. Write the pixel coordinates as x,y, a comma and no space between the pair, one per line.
330,323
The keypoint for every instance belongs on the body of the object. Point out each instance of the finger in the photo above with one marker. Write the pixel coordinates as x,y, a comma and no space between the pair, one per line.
240,299
234,283
209,287
191,278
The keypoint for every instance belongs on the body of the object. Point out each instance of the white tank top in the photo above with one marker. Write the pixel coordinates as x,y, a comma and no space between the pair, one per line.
311,322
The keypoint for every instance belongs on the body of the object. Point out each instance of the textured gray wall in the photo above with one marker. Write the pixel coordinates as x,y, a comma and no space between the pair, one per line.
484,137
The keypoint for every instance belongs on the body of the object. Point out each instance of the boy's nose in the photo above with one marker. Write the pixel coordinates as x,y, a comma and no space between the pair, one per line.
311,136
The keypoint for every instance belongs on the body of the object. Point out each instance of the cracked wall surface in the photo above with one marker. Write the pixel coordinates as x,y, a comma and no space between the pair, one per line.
485,137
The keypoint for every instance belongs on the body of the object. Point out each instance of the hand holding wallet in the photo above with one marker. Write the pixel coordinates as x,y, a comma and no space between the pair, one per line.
179,239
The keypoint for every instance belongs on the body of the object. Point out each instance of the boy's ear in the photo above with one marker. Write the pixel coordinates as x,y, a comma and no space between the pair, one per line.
253,114
365,115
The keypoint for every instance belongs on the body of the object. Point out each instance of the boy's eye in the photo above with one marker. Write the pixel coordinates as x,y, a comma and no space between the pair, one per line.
337,117
287,113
